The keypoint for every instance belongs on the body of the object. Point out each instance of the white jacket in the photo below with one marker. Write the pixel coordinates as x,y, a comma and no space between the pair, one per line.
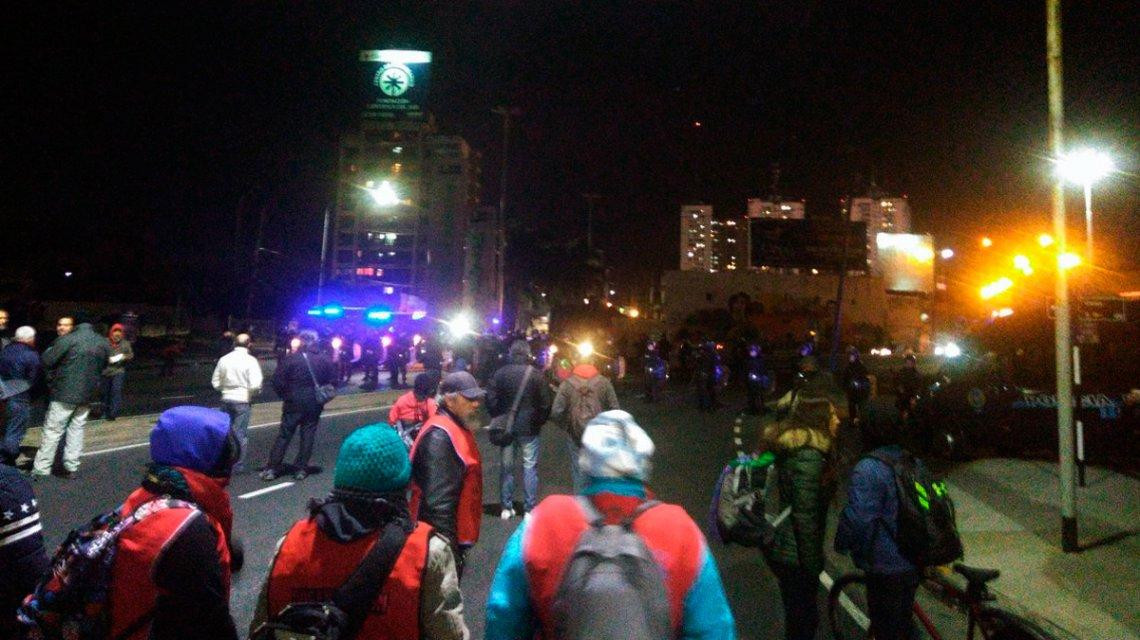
237,376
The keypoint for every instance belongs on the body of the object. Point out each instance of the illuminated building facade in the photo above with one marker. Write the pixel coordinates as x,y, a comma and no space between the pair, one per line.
696,237
883,214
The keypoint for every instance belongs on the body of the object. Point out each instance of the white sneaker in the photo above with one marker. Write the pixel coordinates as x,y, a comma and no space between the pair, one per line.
506,514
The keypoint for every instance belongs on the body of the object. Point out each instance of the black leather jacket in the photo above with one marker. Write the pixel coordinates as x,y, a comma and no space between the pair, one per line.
438,471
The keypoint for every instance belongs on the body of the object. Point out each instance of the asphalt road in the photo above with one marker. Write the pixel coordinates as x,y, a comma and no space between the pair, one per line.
691,448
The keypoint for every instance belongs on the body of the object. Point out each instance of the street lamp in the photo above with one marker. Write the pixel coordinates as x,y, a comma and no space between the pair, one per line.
1084,167
384,194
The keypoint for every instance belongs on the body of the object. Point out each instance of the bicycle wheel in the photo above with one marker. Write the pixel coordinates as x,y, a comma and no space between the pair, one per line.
997,624
846,604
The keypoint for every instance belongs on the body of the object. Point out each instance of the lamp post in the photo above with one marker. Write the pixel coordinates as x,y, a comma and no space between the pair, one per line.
1084,167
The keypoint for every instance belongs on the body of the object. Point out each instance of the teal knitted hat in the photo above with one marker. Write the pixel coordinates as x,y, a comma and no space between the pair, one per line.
373,458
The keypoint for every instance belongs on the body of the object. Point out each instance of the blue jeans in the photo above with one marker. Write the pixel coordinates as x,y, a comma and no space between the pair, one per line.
529,446
239,424
113,394
18,410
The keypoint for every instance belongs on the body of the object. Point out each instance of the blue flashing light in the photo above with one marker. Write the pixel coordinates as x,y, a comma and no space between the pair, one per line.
378,315
332,311
315,311
419,315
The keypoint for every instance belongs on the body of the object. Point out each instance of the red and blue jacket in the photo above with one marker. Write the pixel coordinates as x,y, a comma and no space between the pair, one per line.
535,558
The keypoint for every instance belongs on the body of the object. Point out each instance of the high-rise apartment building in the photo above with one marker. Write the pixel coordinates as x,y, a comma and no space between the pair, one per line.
730,241
884,214
780,210
696,237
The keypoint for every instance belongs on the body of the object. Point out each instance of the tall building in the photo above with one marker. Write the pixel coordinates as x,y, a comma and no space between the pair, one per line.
696,237
404,201
884,214
730,242
778,209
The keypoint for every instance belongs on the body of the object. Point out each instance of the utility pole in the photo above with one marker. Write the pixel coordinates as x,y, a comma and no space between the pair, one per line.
591,201
500,222
1062,322
324,252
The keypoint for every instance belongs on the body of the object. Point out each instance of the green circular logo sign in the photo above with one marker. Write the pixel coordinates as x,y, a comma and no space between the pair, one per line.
394,79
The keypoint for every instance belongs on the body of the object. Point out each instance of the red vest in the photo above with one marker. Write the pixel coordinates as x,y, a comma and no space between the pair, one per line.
469,514
557,523
133,591
310,567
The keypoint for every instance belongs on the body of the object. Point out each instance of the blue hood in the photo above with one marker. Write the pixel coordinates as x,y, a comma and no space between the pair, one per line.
195,438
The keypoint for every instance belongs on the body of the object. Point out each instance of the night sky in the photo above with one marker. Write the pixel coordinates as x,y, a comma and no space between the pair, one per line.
137,142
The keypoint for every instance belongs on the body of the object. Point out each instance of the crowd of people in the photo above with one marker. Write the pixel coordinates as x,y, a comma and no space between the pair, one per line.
388,547
79,368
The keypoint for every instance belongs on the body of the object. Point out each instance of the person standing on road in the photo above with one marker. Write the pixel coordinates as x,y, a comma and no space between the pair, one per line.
22,557
583,395
238,377
412,409
447,469
116,371
74,366
295,381
176,565
856,384
527,591
20,370
420,597
533,412
868,527
802,443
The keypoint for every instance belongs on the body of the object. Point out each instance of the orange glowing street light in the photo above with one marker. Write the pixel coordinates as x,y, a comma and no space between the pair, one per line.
987,242
997,287
1068,260
1045,240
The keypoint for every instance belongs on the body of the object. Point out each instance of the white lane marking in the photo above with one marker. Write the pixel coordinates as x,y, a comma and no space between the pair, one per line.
177,397
136,445
853,609
270,488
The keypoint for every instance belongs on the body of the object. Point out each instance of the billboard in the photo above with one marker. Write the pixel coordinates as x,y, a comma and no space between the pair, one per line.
826,245
906,261
398,81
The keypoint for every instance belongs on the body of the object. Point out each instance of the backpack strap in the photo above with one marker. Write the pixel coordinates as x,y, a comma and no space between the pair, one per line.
596,519
360,590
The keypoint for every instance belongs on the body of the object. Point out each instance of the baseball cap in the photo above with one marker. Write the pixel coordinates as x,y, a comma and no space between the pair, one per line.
462,383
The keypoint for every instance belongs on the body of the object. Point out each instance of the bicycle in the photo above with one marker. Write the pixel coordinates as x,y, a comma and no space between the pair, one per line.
993,622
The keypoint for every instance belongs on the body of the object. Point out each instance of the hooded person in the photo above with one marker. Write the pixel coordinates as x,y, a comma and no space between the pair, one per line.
116,371
533,411
616,460
175,564
420,598
583,395
803,442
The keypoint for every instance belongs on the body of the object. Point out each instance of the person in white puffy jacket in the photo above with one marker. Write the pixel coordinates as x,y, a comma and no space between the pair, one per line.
238,377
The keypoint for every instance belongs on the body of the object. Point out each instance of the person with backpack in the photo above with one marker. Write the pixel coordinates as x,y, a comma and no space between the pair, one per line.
875,530
22,556
611,562
170,548
802,443
583,395
412,590
519,395
447,468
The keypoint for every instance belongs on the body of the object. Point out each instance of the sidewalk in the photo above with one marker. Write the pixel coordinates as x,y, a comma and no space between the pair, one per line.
100,435
1009,520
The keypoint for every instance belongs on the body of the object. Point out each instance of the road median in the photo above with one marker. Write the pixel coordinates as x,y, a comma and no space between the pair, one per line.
101,436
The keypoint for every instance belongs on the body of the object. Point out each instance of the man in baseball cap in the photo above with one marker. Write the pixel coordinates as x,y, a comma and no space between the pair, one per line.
447,470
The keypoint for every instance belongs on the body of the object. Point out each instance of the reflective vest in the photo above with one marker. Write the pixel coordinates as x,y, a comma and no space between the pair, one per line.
558,521
469,510
133,591
310,567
